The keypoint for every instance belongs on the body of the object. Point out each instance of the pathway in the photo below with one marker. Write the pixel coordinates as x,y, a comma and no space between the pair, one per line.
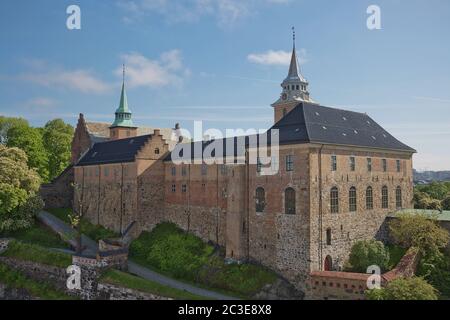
63,229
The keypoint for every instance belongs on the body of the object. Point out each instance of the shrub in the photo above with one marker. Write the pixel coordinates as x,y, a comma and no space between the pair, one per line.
414,288
366,253
435,268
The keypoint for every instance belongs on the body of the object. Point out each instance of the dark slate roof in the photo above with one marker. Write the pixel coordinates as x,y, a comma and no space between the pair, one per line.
312,123
116,151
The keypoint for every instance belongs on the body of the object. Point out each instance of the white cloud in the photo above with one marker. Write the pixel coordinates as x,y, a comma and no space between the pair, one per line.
144,72
77,80
273,57
41,102
226,12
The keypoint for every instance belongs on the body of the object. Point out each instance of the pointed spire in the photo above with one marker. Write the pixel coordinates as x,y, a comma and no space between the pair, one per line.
293,68
123,113
123,106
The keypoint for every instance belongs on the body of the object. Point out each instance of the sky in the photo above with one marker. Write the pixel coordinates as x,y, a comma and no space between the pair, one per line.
222,62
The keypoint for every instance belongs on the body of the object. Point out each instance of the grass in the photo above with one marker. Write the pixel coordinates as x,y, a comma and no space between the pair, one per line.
95,232
132,282
15,279
396,253
38,254
37,234
175,253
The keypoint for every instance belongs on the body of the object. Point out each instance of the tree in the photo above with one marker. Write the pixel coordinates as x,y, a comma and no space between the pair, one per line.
57,139
446,202
423,200
30,140
436,190
414,288
19,185
8,123
419,230
366,253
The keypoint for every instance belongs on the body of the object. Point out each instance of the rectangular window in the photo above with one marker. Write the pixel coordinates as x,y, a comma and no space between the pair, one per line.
106,172
352,164
184,188
333,163
384,165
183,171
369,164
174,171
289,163
399,168
204,169
274,164
258,165
223,169
174,188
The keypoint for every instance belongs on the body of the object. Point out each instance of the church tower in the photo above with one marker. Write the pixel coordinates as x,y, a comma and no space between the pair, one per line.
295,88
122,126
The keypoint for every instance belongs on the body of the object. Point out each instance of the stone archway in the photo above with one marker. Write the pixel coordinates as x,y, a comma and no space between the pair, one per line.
328,264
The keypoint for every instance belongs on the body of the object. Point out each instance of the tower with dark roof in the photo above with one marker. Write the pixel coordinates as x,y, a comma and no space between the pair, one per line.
295,88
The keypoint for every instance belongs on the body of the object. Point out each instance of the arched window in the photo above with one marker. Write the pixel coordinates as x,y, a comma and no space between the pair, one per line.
334,200
329,237
328,264
289,201
352,199
369,198
260,200
398,198
384,197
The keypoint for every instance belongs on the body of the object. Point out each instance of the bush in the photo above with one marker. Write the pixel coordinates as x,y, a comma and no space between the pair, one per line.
366,253
414,288
446,203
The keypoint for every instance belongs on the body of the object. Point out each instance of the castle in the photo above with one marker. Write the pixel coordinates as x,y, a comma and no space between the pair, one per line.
340,174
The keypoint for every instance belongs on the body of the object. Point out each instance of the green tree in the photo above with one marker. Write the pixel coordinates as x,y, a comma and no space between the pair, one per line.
57,139
419,230
446,202
414,288
436,190
19,185
30,140
6,124
366,253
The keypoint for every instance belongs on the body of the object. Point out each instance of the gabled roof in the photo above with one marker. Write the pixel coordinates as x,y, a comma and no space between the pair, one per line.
312,123
116,151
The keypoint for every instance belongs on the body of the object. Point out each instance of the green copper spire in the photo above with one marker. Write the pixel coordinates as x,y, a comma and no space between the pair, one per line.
123,114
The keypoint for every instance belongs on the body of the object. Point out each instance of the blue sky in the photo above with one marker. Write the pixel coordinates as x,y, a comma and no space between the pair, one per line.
222,61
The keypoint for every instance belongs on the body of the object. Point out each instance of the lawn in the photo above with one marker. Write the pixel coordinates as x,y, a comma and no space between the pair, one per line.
95,232
175,253
15,279
37,234
132,282
35,253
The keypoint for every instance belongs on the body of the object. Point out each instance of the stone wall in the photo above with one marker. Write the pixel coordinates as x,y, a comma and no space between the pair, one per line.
333,285
59,193
106,291
14,293
348,227
39,272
